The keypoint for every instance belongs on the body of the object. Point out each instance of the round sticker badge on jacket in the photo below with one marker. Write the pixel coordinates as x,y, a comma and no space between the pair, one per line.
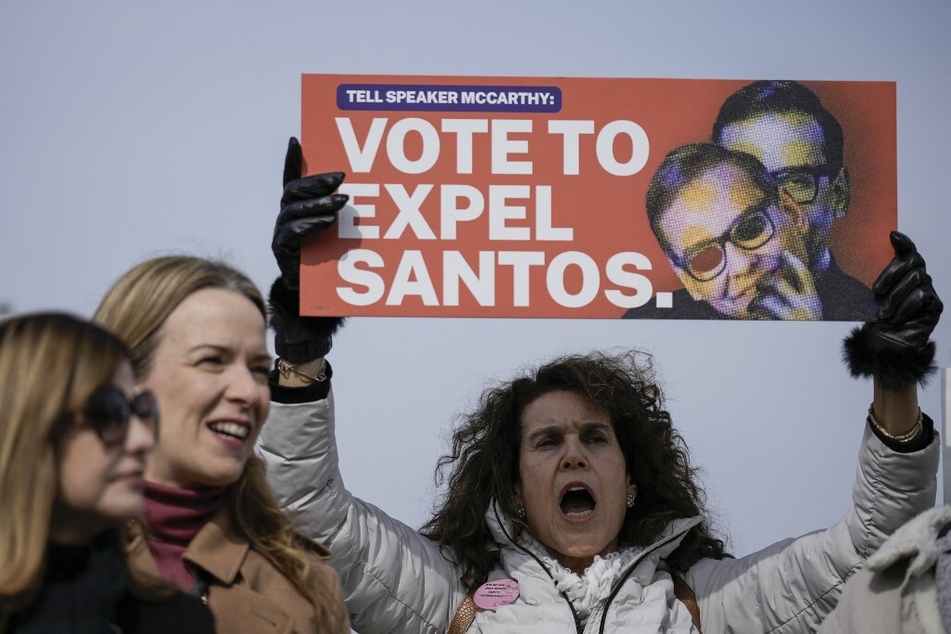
496,593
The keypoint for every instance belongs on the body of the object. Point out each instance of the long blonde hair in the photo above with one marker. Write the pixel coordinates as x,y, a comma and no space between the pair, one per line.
50,365
136,308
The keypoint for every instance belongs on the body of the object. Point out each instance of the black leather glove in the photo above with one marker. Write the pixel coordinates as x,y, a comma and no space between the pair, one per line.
894,346
308,207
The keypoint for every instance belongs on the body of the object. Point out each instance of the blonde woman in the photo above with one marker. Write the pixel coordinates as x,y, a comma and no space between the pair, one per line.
196,329
73,439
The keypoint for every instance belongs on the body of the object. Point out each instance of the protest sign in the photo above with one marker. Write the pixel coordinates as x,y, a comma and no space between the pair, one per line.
525,197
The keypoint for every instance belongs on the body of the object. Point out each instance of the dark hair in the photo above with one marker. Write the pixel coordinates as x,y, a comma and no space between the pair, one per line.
688,162
771,96
484,460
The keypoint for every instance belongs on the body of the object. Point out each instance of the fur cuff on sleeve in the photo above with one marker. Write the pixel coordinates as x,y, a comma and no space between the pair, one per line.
897,366
298,339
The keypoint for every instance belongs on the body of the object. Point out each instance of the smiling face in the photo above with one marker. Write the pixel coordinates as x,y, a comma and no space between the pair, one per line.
705,209
209,375
99,484
791,143
573,478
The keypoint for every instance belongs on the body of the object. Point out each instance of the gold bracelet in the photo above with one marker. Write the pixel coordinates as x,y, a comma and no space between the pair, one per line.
906,437
286,369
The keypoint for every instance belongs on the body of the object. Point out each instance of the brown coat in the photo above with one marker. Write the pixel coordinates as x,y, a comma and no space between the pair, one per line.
247,594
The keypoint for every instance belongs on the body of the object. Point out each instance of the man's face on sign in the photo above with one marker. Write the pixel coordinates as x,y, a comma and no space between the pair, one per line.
791,146
724,236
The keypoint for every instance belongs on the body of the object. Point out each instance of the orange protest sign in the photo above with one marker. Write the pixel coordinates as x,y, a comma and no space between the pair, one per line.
528,197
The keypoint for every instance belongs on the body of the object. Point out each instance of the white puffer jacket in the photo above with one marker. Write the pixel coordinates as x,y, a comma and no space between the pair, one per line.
395,580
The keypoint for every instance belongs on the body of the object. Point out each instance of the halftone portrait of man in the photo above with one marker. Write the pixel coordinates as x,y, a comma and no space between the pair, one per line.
734,237
785,126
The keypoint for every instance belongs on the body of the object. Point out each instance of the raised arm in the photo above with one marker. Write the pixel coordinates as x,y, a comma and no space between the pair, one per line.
894,347
792,585
394,580
309,206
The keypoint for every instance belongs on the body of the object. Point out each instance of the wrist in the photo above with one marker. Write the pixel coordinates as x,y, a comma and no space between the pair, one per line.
301,374
297,395
908,435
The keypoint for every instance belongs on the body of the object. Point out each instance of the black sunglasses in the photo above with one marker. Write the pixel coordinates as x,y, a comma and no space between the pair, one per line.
108,412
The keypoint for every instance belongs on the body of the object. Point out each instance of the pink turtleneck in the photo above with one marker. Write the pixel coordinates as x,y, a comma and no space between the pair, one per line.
174,516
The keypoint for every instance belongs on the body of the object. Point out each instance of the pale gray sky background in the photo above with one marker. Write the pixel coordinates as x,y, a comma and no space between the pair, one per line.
131,129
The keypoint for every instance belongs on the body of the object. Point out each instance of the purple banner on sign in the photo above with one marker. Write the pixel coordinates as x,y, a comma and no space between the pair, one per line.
448,98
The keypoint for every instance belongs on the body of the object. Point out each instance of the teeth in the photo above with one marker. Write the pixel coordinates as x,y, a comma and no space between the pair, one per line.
579,514
231,429
576,489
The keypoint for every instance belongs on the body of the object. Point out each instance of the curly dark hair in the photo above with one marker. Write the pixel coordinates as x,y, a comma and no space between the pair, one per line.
484,460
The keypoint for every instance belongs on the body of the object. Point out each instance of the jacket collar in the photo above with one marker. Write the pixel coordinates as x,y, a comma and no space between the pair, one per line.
666,543
218,549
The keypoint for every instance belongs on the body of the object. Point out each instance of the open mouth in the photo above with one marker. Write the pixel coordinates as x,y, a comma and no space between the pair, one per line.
231,430
577,503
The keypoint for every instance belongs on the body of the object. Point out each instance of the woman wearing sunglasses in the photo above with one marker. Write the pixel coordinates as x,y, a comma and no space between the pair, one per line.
73,441
196,330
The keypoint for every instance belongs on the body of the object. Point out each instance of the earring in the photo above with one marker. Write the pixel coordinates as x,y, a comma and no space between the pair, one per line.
520,512
630,500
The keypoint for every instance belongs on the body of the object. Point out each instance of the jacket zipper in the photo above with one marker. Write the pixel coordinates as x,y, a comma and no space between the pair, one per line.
617,588
630,571
574,613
